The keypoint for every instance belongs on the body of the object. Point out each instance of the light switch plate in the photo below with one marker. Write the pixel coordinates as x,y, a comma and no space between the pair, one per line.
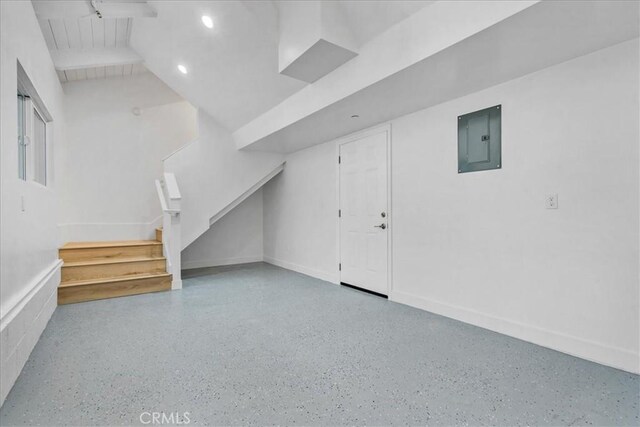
551,201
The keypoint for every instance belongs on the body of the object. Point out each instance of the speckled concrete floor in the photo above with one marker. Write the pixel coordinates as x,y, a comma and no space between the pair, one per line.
257,344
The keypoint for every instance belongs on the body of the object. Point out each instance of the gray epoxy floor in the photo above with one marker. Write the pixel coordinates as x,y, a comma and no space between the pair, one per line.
257,344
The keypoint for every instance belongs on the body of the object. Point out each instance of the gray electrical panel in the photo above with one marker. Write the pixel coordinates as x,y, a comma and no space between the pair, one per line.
479,142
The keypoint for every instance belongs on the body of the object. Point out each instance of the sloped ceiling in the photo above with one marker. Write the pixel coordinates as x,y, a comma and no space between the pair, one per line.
89,33
369,18
86,46
233,68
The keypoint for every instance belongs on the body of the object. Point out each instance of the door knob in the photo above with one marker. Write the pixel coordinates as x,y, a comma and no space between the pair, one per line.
383,226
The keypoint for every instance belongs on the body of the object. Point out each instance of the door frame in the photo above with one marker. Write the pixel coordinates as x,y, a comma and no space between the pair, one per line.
383,128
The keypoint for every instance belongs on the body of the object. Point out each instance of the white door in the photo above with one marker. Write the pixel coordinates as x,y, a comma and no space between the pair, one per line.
364,212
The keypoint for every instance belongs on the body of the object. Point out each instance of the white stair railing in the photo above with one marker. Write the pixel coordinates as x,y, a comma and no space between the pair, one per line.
169,195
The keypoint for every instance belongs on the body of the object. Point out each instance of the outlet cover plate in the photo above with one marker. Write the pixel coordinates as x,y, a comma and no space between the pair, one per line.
551,201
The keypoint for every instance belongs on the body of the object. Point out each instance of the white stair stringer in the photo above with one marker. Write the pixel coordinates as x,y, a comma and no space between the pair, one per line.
214,176
246,194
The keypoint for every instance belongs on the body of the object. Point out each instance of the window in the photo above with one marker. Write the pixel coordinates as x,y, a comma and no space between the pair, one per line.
33,131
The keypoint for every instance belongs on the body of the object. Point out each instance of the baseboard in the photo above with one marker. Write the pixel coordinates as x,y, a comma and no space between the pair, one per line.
24,322
218,262
615,357
87,232
318,274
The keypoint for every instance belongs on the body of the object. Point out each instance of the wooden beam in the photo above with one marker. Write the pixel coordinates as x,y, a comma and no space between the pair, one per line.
75,59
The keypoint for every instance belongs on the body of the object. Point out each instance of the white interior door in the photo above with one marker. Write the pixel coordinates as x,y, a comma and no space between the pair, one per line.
364,213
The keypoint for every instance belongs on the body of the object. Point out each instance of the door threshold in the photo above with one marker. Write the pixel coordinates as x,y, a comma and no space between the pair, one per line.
378,294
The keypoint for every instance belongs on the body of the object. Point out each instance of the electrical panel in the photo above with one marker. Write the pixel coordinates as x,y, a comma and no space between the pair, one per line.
479,140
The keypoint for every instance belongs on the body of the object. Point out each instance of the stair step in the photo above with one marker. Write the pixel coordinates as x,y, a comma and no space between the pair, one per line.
159,234
111,261
93,251
98,270
116,267
94,289
108,244
101,280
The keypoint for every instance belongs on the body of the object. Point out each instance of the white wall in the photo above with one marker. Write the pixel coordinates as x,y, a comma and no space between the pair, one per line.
212,174
29,267
103,203
481,247
235,239
300,209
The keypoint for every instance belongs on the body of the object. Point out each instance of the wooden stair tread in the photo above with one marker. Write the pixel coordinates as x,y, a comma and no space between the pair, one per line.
109,244
111,269
103,261
104,280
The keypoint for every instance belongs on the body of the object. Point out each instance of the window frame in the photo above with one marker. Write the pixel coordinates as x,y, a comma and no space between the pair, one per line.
32,107
22,135
32,153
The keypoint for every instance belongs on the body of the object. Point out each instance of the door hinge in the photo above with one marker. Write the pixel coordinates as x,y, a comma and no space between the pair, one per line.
340,267
339,160
339,213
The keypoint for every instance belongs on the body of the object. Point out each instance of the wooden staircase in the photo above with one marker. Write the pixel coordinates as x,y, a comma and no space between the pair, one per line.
98,270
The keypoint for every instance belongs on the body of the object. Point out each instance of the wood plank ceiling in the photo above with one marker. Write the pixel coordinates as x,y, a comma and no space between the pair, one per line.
88,33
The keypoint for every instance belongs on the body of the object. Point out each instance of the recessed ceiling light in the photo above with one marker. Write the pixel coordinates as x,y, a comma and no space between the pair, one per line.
207,21
182,69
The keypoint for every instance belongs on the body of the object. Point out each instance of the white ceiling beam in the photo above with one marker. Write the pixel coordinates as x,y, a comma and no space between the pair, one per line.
80,9
126,10
62,9
552,32
422,35
75,59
